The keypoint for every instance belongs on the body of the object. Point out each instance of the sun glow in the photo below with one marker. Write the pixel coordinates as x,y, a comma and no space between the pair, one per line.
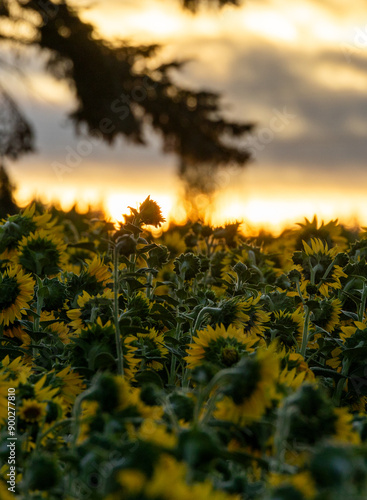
269,24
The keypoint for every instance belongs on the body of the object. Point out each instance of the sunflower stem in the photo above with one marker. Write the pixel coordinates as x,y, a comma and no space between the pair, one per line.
120,359
149,285
210,407
172,375
305,331
341,384
76,413
300,293
59,423
39,304
326,273
201,315
362,307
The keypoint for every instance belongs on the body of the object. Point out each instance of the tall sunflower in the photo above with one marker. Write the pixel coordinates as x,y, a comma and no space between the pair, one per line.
220,346
16,292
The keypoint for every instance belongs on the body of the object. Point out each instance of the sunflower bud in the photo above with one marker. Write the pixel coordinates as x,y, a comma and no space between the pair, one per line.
187,265
294,276
341,259
190,240
126,245
311,289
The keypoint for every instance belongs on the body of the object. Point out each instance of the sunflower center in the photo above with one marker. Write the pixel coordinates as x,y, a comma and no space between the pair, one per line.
229,356
32,413
9,291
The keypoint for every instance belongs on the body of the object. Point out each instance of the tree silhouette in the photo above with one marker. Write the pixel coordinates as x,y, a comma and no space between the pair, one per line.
16,138
118,92
7,203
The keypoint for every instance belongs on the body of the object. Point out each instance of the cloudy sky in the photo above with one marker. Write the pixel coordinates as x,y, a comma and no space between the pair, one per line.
298,69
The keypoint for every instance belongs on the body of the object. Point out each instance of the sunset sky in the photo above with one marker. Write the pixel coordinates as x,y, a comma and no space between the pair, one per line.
297,69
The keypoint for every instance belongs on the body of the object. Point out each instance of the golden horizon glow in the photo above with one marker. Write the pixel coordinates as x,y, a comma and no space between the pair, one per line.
270,213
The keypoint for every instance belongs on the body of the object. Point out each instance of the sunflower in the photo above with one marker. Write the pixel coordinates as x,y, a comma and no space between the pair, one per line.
220,346
16,292
302,483
313,417
287,327
41,253
319,259
343,427
295,371
94,277
32,411
252,390
149,213
15,330
100,337
174,242
231,312
350,337
41,391
91,307
348,332
168,482
150,348
331,233
17,370
327,314
115,394
256,324
97,269
89,410
59,330
70,385
56,411
4,493
15,227
154,433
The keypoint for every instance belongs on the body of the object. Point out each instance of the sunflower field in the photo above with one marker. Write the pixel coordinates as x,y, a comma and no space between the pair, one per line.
200,365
